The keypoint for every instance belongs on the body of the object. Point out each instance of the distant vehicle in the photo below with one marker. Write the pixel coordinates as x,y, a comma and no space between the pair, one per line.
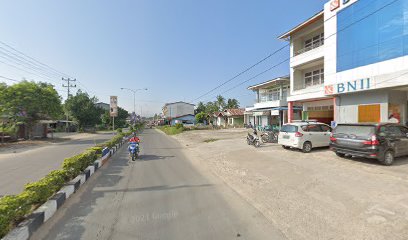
304,135
381,141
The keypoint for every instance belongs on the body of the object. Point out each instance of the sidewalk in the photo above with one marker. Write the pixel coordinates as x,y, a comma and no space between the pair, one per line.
308,196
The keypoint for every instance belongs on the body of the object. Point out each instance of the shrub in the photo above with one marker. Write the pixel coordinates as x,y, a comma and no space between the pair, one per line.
12,209
76,164
178,125
119,130
39,192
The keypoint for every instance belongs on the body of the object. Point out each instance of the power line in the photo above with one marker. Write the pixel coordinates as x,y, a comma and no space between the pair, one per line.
246,70
35,60
335,33
69,85
270,55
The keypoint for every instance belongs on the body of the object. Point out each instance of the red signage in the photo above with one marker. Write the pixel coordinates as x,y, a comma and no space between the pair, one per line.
334,4
328,90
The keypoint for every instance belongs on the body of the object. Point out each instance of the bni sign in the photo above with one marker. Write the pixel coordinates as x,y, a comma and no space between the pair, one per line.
113,106
348,87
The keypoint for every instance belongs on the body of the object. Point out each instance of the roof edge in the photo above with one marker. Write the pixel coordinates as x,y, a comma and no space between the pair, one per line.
301,25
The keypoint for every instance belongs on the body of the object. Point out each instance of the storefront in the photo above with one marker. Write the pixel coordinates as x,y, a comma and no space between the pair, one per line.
319,110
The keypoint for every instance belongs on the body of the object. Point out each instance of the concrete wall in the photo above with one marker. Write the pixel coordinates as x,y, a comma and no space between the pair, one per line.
347,105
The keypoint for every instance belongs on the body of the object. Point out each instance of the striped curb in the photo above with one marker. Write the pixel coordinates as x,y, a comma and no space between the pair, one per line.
25,229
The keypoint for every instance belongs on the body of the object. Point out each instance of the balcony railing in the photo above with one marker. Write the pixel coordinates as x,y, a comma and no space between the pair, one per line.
303,50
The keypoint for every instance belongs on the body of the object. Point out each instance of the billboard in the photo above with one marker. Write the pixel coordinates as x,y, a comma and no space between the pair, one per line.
113,106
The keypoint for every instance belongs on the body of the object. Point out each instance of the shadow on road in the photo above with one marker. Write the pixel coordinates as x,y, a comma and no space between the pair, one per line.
71,226
148,157
156,188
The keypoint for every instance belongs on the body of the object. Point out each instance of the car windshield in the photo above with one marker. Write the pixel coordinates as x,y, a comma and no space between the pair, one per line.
359,131
289,128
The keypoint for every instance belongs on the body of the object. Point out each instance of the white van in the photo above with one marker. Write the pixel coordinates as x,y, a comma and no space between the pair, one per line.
304,135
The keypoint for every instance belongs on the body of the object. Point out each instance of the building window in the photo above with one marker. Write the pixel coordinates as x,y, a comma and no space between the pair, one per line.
314,42
314,78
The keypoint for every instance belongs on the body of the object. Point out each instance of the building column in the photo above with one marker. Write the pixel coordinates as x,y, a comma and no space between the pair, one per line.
335,114
290,112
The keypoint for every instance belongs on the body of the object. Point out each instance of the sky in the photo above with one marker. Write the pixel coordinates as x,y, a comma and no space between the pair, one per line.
177,49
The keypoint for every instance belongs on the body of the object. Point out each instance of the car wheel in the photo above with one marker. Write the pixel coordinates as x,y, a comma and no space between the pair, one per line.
342,155
388,158
285,147
307,147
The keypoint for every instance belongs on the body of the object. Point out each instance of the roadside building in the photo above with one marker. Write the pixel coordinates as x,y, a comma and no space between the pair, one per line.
103,105
221,121
348,63
367,71
179,112
234,117
307,71
270,106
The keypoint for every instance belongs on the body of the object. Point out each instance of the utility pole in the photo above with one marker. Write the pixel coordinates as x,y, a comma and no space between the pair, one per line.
68,86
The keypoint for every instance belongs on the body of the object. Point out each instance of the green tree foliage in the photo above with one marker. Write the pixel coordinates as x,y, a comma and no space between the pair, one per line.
120,120
29,102
200,108
200,117
220,102
232,103
211,107
82,108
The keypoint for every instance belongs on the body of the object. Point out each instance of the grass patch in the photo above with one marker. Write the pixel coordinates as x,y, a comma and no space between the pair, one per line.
172,130
211,140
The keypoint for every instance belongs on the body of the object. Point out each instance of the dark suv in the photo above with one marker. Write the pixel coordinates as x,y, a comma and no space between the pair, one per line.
381,141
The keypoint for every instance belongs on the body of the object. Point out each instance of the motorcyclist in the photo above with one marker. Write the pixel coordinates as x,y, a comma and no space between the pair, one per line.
133,141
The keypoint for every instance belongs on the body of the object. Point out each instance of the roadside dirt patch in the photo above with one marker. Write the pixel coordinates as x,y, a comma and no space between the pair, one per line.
308,196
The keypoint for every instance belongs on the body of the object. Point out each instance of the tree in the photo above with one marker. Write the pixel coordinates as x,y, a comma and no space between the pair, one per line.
201,117
82,108
232,103
211,107
29,102
220,103
200,108
120,120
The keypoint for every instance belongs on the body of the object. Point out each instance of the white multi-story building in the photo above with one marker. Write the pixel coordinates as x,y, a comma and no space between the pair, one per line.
271,105
307,70
349,63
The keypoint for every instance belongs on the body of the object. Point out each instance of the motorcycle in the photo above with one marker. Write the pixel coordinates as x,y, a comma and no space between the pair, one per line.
253,140
134,151
269,137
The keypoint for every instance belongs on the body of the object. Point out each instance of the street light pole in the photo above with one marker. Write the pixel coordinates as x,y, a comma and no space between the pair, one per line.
134,95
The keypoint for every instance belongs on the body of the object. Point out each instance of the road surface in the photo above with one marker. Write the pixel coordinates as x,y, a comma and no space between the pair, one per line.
17,169
160,196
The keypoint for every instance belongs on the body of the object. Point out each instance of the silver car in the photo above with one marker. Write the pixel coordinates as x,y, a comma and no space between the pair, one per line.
304,135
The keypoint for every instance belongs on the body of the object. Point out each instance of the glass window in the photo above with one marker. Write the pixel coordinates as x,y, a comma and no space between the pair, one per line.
371,31
325,128
314,78
289,128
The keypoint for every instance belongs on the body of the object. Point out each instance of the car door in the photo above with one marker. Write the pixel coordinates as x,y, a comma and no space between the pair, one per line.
314,135
404,140
325,135
395,136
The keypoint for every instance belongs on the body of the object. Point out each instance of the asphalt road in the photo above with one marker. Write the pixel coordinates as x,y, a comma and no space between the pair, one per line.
17,169
160,196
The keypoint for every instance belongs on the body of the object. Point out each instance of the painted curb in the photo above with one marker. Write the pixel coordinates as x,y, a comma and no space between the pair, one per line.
25,229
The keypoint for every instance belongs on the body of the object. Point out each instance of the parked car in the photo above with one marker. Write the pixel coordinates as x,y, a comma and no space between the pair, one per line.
304,135
381,141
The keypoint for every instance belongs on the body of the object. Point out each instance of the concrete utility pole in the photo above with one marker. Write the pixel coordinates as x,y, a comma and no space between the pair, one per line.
68,86
134,96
